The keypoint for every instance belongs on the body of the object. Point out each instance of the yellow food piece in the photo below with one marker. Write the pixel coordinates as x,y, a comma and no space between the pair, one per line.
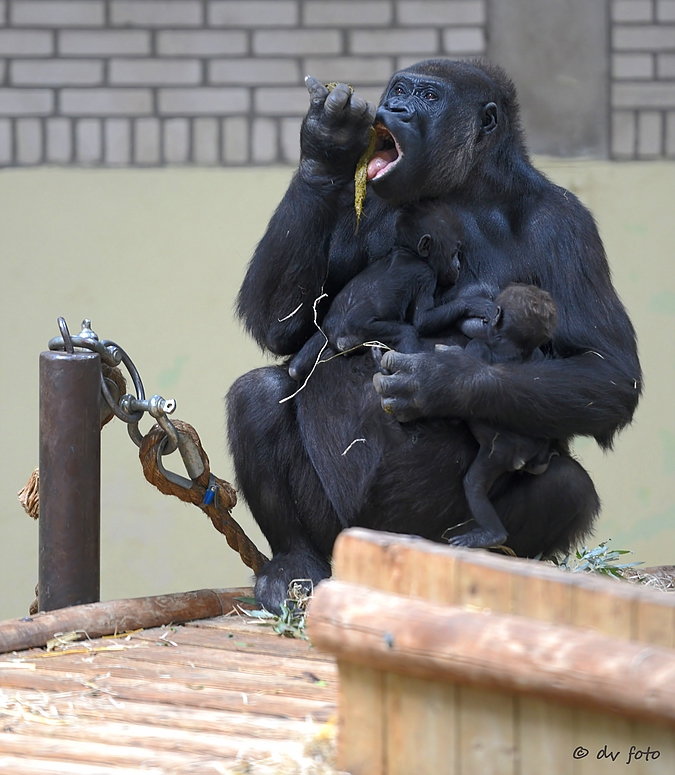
361,174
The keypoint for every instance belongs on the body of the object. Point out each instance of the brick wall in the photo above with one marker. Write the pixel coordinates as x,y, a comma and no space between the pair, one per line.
210,82
643,79
220,82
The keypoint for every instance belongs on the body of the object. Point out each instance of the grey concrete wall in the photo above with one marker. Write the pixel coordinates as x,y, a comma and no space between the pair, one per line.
556,53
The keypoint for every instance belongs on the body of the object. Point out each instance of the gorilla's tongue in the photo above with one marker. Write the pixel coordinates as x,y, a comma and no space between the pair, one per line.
380,161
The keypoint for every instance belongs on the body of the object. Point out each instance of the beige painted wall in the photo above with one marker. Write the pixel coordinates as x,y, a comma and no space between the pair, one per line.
155,258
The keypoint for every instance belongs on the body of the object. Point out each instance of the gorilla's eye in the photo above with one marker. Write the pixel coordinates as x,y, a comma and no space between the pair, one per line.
430,95
398,90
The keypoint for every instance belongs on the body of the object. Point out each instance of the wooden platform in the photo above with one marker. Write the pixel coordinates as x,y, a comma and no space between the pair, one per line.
191,699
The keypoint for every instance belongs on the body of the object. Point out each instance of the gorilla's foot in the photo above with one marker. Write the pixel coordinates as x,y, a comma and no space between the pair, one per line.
478,538
271,586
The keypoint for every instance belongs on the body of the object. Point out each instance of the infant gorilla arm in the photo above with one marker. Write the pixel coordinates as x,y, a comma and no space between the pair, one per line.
390,298
373,307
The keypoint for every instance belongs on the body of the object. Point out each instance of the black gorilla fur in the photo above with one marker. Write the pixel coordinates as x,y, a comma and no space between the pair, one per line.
393,298
519,322
450,132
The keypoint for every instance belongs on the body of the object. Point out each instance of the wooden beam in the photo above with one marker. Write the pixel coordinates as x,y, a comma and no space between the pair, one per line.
97,619
501,652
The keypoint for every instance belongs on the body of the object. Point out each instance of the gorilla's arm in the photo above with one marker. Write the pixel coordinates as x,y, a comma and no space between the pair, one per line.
474,303
555,398
290,265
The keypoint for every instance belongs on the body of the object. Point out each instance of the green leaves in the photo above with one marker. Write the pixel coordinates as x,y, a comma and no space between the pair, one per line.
601,559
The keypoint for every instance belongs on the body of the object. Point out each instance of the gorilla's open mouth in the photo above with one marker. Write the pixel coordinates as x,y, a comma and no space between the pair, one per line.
387,153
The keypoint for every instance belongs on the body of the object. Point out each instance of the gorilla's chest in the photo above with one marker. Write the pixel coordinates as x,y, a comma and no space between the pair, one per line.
492,249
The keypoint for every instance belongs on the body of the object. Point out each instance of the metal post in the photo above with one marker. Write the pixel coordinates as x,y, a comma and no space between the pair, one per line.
70,479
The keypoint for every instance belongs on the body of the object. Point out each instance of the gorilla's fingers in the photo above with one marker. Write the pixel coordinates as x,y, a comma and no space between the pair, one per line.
337,99
394,361
317,91
383,382
357,106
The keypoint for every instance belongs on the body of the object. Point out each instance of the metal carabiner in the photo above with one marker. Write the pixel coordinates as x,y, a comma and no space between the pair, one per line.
189,452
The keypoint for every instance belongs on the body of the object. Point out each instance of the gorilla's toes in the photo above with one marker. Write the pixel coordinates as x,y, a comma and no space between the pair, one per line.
271,586
478,539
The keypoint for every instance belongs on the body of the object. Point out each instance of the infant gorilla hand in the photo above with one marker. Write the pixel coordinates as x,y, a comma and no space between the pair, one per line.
428,384
335,131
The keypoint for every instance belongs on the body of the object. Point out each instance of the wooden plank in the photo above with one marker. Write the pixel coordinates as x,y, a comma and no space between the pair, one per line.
361,746
607,607
231,689
433,579
503,652
116,616
308,686
255,664
545,731
546,737
648,738
242,639
604,736
654,623
359,554
83,752
166,691
486,733
483,587
362,559
18,765
421,726
389,566
540,598
486,720
102,707
198,747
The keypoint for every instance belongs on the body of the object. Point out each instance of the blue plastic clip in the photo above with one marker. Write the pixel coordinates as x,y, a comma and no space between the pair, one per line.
209,496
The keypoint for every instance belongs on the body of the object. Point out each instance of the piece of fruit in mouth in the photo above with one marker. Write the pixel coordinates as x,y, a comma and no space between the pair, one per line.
386,152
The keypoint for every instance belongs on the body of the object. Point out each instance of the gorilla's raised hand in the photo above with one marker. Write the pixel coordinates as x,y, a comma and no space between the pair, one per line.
335,131
430,384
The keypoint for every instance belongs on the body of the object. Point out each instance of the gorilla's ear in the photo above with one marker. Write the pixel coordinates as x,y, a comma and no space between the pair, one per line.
497,316
424,246
489,118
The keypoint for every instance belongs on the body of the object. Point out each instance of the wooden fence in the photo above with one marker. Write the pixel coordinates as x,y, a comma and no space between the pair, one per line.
469,663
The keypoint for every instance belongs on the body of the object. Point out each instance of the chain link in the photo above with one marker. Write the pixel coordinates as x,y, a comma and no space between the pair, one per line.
129,408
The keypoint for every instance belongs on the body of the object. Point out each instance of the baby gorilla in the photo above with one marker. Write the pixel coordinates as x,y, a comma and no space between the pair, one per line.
522,319
393,298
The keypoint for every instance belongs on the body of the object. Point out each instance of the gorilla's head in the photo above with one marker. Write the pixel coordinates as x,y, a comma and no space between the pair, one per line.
438,122
431,231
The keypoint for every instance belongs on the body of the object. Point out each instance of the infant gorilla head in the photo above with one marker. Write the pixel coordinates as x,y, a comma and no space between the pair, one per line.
523,319
431,231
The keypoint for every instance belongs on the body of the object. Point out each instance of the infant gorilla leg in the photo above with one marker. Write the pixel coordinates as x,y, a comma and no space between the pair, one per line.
500,452
483,473
303,363
401,337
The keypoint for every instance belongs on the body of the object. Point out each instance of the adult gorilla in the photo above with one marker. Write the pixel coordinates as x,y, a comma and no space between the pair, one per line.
331,457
